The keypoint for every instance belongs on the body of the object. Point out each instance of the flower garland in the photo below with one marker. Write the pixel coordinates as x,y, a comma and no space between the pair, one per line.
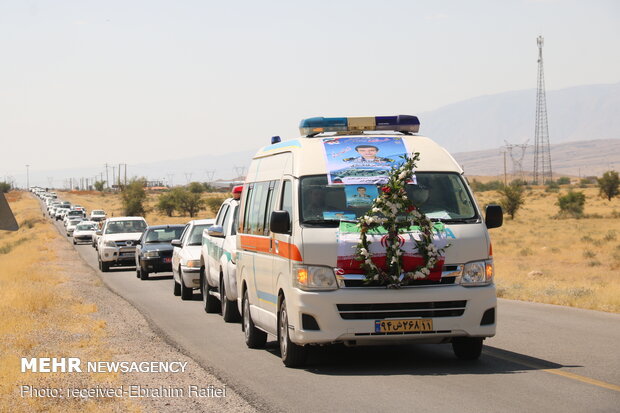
384,212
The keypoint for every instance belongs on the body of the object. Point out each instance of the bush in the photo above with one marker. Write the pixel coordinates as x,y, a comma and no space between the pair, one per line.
133,196
477,186
166,203
99,185
4,187
512,198
552,186
572,204
188,202
214,203
564,180
196,187
608,185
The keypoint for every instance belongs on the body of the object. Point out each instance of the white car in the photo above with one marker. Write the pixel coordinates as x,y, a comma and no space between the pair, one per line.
186,258
219,249
116,244
97,215
84,232
71,224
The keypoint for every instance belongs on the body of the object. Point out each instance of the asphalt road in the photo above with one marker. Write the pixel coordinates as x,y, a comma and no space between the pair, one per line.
543,358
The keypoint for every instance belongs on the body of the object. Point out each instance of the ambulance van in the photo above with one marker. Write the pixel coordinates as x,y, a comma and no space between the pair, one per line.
297,277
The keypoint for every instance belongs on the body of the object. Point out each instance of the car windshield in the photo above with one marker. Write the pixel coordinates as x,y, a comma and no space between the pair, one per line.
195,237
122,227
160,235
441,196
85,227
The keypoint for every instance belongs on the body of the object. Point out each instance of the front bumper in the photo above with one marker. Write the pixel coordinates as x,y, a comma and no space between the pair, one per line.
323,307
156,264
191,276
118,256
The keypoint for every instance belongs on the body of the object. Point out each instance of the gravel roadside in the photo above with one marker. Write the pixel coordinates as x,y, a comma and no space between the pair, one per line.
130,338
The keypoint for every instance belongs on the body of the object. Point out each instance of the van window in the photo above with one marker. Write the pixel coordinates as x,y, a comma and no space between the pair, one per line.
257,207
287,197
441,196
246,212
272,200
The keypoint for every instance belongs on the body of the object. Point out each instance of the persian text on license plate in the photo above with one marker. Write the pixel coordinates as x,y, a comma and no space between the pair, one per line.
127,254
399,326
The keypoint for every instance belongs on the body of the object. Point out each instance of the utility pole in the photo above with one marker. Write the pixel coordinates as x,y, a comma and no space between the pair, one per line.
542,151
27,177
107,179
125,174
503,152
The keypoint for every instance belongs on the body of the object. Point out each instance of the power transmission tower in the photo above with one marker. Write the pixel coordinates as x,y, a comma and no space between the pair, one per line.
188,176
542,151
210,174
517,153
239,171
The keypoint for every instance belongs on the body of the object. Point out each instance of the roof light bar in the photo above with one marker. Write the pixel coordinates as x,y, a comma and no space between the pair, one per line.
400,123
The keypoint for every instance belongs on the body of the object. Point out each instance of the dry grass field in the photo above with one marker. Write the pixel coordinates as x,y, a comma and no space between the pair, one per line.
573,262
111,204
41,317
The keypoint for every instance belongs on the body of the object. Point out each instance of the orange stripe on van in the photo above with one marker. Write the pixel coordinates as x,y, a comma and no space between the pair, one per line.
262,244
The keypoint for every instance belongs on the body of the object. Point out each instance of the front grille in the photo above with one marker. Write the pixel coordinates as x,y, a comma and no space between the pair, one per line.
122,243
364,283
378,311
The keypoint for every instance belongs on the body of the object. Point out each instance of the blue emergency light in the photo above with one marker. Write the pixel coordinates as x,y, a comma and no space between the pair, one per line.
399,123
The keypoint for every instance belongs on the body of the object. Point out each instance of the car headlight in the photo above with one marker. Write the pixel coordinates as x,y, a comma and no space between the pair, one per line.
193,263
110,244
309,277
478,273
151,254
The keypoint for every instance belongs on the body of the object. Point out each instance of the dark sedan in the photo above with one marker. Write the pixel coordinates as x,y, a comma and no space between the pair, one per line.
154,251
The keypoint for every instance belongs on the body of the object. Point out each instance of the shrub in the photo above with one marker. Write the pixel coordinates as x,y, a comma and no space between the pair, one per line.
477,186
99,185
512,198
552,186
133,196
188,202
166,203
609,185
4,187
564,180
572,203
214,203
196,187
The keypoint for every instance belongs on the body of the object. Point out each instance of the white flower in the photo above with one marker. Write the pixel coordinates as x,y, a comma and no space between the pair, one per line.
418,275
425,271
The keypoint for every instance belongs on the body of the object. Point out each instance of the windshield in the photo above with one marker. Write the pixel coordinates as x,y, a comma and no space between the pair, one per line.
195,238
85,227
121,227
441,196
161,235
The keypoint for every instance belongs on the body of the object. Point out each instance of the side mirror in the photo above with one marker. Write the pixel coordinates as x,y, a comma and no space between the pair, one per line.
176,243
99,232
494,216
280,222
216,231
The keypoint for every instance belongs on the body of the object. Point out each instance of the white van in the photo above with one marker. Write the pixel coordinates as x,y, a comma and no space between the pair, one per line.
296,283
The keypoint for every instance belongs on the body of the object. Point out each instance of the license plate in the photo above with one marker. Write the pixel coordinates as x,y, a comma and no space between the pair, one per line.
167,260
399,326
127,254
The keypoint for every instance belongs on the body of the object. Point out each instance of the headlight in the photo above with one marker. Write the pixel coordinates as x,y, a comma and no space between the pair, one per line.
478,273
110,244
307,277
151,254
193,263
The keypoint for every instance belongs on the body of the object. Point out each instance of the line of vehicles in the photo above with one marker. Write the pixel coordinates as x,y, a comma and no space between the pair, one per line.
277,256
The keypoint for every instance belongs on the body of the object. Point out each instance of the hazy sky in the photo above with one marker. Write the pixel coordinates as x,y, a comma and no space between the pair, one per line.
88,82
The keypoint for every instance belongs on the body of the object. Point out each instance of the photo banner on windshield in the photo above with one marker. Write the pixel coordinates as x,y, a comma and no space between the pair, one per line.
362,160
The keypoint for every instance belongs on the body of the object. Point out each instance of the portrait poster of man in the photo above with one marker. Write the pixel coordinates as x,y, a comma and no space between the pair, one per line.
360,195
361,160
